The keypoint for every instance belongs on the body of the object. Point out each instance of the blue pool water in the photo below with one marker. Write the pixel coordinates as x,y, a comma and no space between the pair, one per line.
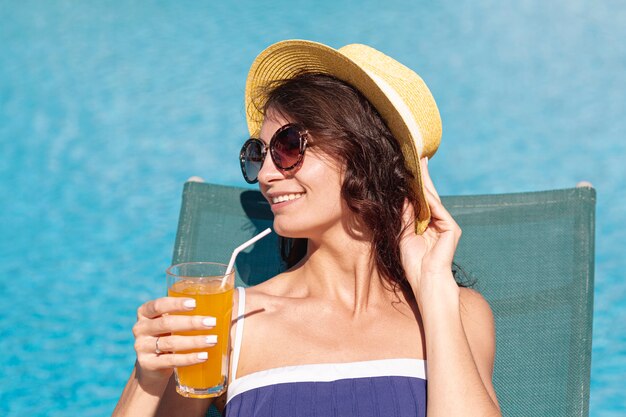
107,107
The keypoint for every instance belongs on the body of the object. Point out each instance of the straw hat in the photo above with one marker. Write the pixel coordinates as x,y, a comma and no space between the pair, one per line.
399,94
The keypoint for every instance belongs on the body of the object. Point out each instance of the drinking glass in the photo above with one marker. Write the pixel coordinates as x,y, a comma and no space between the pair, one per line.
212,288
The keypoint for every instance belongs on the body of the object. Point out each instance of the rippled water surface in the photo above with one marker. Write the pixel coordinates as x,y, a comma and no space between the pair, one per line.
107,107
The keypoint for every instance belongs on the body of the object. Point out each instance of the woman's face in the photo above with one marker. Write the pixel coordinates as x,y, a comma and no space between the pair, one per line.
306,201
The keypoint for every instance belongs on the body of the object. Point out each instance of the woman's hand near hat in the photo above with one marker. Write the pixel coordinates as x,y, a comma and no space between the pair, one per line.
427,258
460,348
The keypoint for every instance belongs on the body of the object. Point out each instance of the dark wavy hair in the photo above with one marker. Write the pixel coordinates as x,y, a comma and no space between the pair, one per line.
345,126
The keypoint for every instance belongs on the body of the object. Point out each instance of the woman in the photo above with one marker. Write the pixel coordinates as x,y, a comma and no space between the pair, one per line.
341,154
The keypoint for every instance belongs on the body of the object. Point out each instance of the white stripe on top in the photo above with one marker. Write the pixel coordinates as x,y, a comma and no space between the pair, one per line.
326,372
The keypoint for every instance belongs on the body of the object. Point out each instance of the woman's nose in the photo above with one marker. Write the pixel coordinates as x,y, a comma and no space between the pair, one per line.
269,172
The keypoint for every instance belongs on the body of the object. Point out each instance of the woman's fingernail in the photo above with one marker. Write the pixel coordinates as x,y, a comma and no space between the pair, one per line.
426,160
209,321
203,355
210,339
190,303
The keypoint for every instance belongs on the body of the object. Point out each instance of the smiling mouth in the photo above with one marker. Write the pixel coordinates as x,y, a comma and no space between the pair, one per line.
286,197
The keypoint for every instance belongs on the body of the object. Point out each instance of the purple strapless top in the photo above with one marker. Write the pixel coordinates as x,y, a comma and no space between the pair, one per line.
379,388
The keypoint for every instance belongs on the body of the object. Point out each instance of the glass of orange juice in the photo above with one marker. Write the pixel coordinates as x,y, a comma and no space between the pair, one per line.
212,288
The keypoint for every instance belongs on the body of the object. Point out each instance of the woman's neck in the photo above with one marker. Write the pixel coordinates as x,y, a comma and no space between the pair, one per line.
341,267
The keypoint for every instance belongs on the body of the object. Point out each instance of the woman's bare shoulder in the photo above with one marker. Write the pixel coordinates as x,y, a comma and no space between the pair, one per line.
479,326
270,292
475,307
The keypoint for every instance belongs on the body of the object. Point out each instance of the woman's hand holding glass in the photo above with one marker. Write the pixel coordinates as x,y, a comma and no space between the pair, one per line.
154,342
427,258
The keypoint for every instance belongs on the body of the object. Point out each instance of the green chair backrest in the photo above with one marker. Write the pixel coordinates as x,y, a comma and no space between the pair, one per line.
531,254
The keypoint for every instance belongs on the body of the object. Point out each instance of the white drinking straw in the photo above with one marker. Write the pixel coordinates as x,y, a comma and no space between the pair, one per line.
241,247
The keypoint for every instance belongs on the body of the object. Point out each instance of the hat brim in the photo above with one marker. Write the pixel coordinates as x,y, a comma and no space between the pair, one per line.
286,59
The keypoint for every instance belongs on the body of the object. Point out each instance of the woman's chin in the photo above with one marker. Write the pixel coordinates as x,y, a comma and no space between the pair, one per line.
302,229
288,232
294,229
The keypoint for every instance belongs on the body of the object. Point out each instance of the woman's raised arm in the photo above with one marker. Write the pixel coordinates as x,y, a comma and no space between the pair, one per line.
458,323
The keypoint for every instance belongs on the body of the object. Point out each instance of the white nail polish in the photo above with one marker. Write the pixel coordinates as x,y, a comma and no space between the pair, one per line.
203,355
209,321
191,303
210,339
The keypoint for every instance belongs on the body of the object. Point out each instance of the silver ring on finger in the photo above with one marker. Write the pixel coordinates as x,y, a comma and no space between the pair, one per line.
156,347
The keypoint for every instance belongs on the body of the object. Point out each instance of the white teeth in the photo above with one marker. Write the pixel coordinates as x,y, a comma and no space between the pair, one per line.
286,197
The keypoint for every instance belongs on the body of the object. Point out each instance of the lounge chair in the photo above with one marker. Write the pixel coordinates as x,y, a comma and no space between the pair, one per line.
531,255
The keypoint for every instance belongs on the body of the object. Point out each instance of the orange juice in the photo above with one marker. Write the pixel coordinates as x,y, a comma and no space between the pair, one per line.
212,299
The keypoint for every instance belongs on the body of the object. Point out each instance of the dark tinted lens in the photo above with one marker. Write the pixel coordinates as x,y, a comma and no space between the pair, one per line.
285,147
252,154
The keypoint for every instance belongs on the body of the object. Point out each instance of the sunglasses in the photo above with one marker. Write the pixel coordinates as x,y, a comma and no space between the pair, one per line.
287,148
